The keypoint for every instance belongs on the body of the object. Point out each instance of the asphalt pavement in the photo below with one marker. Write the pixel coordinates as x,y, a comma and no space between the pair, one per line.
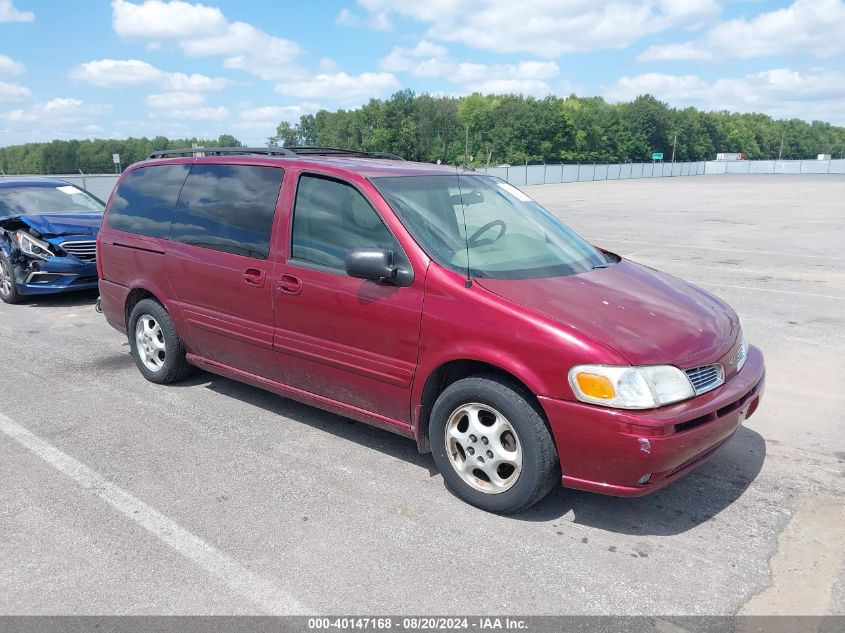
118,496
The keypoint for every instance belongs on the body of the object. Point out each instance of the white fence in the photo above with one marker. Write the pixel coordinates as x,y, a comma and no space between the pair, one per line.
550,173
101,185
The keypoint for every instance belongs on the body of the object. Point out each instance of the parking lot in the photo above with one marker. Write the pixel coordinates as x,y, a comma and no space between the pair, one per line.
213,497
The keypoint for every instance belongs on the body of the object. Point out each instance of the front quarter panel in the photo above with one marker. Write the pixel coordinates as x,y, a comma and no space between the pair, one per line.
461,323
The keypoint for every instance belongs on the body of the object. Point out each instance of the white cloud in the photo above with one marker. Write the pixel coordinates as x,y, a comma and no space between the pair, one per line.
263,120
424,60
277,113
174,100
13,92
9,67
378,21
780,92
202,31
204,113
806,27
114,72
328,65
255,125
686,51
134,72
8,13
156,20
194,82
816,27
427,59
510,86
347,18
340,87
59,111
546,28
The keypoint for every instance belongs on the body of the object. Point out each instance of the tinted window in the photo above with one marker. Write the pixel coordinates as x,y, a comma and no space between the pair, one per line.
144,201
228,208
331,218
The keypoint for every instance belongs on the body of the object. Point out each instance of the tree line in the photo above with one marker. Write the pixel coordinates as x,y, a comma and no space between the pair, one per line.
495,129
93,156
487,130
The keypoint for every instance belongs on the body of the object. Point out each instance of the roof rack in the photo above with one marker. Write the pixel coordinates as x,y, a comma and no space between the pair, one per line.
221,151
309,150
290,152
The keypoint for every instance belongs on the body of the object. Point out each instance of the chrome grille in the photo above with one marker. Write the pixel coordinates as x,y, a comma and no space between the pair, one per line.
706,377
85,251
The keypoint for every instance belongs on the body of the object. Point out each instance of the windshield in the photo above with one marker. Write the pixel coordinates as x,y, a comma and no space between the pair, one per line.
485,227
45,200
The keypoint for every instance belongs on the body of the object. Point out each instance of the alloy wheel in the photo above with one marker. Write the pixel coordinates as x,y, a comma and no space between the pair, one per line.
5,279
149,342
483,448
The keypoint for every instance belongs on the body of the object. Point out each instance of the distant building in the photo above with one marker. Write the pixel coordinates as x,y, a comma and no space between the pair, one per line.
730,156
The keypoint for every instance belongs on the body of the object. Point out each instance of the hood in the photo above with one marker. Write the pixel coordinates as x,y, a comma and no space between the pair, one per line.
55,224
647,316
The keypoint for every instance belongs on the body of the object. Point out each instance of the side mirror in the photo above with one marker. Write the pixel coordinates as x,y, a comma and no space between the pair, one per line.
375,264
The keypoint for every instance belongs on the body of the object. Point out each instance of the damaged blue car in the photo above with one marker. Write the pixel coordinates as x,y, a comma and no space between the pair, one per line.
48,238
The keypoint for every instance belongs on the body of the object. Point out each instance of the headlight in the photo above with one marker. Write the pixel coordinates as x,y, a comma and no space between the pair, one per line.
33,247
630,387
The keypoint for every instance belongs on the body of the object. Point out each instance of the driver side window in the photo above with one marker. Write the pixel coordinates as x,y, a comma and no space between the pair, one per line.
331,218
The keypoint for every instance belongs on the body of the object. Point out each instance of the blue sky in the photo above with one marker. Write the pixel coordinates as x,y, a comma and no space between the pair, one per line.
101,69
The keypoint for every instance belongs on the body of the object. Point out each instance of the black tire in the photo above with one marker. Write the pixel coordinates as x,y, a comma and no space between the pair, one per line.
540,467
12,296
174,366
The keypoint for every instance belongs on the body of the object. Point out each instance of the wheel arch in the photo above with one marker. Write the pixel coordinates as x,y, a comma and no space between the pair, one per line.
135,296
449,372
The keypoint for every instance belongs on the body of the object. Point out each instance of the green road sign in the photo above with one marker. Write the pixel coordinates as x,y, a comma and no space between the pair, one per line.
657,156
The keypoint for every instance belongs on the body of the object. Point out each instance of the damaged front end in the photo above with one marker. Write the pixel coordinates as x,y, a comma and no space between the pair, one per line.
44,263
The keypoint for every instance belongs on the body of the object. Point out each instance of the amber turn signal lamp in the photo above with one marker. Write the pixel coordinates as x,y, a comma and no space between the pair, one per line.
595,386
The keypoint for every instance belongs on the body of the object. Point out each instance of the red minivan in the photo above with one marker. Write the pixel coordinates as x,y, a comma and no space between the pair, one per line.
443,305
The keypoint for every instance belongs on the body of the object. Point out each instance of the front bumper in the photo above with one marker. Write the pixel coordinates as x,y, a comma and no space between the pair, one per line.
611,450
59,274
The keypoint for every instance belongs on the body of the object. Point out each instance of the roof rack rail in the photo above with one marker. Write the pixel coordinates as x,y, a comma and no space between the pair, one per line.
221,151
290,152
310,150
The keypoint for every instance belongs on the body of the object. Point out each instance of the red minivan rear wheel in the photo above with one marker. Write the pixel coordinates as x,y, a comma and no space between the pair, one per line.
492,445
156,347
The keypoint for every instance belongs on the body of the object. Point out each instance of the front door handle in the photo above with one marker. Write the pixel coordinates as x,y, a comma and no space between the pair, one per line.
254,277
290,285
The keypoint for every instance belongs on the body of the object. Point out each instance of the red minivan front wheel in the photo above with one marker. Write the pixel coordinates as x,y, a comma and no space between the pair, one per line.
491,444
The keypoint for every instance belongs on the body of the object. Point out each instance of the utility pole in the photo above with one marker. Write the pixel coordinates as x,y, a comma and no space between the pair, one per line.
466,148
675,142
781,148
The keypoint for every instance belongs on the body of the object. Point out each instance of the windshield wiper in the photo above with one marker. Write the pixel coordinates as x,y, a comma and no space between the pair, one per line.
604,265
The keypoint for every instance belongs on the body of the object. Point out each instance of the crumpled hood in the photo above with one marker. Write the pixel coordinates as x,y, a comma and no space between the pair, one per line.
53,224
647,316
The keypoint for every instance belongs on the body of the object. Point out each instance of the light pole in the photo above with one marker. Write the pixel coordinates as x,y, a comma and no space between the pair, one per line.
675,142
466,147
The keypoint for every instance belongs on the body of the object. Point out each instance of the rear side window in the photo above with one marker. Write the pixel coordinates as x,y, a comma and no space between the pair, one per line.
228,208
331,218
144,202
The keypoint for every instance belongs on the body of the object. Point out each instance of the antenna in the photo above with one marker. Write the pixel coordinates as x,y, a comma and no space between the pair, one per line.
468,282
